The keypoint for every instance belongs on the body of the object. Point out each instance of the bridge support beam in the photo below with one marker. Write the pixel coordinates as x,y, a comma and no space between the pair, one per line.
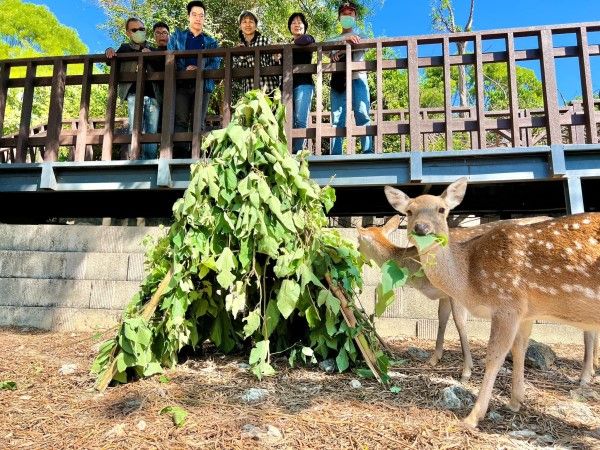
574,195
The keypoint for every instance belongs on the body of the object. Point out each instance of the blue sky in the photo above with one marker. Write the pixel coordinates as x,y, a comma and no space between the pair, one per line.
402,18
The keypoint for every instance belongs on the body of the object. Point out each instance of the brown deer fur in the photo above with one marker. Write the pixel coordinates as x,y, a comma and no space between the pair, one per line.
513,275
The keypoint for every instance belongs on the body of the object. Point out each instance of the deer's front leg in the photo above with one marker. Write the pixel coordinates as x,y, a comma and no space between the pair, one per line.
459,313
502,335
444,309
519,348
590,341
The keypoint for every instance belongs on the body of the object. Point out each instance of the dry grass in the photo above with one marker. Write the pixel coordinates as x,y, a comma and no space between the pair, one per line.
312,409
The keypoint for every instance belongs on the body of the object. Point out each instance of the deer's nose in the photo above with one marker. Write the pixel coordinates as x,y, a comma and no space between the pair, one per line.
422,229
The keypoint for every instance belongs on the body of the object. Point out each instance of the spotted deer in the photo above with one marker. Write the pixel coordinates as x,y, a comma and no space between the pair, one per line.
512,275
374,243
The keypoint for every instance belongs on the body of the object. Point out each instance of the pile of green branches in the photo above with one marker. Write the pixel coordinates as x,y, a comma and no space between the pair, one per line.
247,263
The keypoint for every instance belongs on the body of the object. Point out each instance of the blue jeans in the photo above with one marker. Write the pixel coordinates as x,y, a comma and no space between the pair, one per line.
361,105
150,114
303,95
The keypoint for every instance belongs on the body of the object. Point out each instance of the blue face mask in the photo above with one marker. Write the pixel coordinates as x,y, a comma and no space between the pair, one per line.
347,22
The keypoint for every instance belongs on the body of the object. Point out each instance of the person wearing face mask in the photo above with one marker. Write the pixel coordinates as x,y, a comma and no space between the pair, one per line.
251,37
192,38
361,100
303,83
136,32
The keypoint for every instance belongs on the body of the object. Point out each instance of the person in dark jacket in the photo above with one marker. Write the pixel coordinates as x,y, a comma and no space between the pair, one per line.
303,83
136,32
251,37
192,38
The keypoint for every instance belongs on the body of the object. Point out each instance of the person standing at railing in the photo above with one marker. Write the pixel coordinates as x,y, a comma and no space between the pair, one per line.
303,83
361,100
193,38
251,37
136,32
162,33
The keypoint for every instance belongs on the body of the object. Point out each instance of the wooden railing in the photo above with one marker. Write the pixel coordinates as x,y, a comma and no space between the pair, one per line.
415,126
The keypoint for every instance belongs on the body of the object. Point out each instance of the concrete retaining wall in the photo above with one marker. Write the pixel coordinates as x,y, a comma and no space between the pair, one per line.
78,277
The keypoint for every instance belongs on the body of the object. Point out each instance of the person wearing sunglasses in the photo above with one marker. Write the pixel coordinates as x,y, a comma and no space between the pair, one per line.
136,33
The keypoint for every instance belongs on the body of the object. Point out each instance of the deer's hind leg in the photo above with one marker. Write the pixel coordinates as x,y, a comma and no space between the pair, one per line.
519,348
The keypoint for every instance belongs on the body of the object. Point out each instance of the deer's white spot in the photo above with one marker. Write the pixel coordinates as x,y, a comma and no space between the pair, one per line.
576,226
592,241
586,221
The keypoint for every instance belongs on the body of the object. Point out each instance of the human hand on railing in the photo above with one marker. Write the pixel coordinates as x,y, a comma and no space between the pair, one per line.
353,39
277,57
110,53
146,49
338,56
191,67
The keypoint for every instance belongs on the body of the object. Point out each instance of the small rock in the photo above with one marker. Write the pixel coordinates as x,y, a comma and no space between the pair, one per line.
116,431
355,384
68,369
417,353
546,439
250,431
456,397
576,411
243,366
274,432
254,395
25,329
131,405
504,371
141,425
494,416
522,434
161,392
539,356
584,394
328,365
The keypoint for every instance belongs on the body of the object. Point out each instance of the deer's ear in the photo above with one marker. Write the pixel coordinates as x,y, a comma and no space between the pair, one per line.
398,199
455,193
392,224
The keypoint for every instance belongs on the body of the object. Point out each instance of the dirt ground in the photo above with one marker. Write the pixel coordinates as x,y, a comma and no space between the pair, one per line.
304,408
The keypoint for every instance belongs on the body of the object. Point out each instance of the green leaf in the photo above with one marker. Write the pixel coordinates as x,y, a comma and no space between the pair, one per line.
312,316
177,413
8,385
393,276
287,297
384,299
152,368
395,389
235,301
252,323
341,360
365,373
260,352
164,379
272,317
423,243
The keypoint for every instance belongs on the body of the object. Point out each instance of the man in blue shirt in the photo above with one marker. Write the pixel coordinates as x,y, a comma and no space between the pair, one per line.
192,38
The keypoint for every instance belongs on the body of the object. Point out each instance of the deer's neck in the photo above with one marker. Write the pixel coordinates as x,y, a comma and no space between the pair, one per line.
446,267
384,250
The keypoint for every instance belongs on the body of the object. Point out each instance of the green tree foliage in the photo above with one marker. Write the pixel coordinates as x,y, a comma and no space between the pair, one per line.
28,30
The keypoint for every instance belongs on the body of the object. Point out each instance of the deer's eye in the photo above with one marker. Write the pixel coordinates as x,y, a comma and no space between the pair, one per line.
408,212
442,210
